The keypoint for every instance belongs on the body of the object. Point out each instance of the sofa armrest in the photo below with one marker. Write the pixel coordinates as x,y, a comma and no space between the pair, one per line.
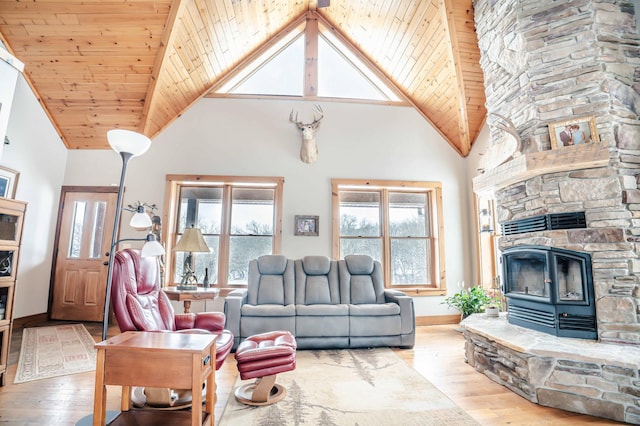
407,314
232,307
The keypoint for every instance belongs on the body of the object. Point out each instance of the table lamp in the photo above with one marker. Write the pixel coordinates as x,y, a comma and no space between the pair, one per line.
191,242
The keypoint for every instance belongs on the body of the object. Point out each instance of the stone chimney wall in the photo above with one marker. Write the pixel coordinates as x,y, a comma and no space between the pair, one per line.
547,61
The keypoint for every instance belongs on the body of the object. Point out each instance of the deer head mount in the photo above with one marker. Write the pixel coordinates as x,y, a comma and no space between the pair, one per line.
309,149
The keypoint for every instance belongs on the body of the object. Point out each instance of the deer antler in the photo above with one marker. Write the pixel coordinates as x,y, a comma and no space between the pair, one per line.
296,122
507,125
319,111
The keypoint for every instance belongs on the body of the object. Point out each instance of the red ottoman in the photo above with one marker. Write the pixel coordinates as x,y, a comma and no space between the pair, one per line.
261,357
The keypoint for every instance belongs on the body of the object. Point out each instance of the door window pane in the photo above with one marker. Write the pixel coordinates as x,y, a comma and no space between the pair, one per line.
97,233
75,244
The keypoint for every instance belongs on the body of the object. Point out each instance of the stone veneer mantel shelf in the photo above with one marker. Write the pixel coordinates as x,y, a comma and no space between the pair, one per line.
573,374
534,164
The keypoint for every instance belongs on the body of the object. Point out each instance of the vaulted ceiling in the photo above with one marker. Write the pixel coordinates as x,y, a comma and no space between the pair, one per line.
139,64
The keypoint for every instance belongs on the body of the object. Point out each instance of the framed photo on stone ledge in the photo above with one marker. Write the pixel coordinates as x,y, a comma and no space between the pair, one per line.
575,131
306,225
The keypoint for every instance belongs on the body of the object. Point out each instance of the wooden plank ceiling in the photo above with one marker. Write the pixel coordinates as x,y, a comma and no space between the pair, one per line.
139,64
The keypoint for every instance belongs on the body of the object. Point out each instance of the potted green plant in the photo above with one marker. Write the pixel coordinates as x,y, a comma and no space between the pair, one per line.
470,301
493,308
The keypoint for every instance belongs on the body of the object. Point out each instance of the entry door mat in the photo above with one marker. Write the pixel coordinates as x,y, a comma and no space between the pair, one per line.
55,351
351,387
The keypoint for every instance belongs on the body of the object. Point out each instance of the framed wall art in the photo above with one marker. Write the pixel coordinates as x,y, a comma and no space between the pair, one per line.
571,132
8,182
306,225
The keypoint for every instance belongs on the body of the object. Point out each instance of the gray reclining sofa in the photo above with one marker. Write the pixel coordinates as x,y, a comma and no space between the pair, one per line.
324,303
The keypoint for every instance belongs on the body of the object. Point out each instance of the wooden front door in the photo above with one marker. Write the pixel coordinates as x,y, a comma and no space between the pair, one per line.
83,237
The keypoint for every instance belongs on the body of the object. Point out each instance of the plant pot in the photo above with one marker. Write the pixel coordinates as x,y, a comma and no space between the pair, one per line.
493,312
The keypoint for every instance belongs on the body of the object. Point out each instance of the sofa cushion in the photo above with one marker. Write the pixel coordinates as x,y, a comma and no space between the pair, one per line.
322,310
327,326
271,280
362,289
316,265
317,290
317,281
374,309
268,310
272,264
359,264
374,325
271,290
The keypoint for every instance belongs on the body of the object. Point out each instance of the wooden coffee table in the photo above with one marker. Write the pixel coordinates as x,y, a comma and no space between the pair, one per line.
156,359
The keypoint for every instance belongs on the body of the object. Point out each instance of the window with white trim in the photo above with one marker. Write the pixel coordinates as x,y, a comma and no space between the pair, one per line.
239,217
398,223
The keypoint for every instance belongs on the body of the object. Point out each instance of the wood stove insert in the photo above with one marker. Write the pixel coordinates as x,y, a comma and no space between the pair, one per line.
550,290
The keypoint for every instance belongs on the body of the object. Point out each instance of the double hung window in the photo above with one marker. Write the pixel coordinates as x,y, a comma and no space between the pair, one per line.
239,218
397,223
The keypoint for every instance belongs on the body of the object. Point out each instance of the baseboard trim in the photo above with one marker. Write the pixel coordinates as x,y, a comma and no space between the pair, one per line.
24,322
438,320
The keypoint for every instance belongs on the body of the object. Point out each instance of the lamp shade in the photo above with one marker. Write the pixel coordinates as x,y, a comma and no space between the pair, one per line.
152,247
129,141
140,219
192,241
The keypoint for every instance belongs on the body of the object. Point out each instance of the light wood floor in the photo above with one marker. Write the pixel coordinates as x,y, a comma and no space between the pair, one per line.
437,355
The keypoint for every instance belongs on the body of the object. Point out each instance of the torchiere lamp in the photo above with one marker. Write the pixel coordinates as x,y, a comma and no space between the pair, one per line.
191,242
128,144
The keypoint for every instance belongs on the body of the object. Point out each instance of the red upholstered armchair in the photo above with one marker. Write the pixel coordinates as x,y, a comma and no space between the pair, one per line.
140,304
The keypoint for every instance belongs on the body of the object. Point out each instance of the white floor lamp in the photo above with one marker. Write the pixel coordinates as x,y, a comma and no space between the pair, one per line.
128,144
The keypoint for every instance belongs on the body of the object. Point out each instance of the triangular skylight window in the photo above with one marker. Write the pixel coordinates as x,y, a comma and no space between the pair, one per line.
279,71
281,74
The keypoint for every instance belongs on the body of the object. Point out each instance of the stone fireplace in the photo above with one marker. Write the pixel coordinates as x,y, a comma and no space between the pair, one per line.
547,62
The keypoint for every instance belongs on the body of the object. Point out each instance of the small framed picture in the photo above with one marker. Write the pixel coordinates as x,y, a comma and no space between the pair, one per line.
8,182
571,132
306,225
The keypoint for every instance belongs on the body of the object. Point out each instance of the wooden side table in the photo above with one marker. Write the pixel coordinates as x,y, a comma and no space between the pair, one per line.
187,296
156,359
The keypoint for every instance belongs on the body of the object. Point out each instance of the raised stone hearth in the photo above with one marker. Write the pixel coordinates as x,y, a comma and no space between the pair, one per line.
578,375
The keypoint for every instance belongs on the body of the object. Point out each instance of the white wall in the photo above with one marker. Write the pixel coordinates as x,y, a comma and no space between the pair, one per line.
255,138
37,152
8,79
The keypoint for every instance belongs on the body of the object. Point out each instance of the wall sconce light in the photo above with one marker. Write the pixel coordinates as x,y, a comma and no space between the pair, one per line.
486,220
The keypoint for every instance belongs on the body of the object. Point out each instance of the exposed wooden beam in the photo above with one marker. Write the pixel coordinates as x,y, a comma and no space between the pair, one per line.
311,56
168,37
449,21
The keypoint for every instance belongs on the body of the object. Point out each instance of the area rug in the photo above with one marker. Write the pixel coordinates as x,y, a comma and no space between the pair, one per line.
55,351
351,387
